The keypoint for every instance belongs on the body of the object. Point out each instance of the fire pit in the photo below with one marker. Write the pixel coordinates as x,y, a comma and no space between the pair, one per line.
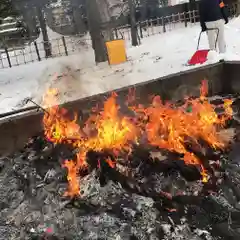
130,171
158,170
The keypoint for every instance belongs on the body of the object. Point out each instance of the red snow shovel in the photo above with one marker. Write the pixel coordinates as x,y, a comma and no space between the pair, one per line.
200,56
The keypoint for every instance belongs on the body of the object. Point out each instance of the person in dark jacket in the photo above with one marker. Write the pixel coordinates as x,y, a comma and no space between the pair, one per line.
213,16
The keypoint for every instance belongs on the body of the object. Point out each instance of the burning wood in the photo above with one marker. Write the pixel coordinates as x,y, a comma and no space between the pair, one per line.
166,126
156,172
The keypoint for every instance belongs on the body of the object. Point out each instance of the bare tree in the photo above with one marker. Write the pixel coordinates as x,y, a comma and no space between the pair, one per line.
143,4
105,18
133,23
43,26
94,24
110,11
238,8
7,9
27,10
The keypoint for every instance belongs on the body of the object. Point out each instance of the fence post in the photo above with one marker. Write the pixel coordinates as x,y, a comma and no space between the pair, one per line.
140,29
158,23
185,19
8,58
37,51
64,45
194,17
163,23
151,24
148,28
236,10
116,33
190,16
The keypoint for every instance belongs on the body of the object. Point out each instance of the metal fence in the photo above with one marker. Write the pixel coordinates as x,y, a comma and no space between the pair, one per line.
64,46
33,51
159,25
165,24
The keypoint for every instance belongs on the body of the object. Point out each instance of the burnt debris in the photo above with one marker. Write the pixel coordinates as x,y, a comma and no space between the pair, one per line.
148,194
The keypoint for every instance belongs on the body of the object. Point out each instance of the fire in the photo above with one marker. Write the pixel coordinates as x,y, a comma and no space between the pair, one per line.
204,175
113,132
110,162
58,128
73,188
166,126
170,127
105,130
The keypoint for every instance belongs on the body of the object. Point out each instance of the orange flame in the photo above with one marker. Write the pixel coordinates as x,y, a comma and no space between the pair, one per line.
169,127
110,162
166,126
110,131
73,188
113,132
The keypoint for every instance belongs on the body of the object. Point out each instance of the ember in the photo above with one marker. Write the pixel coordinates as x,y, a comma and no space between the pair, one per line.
159,171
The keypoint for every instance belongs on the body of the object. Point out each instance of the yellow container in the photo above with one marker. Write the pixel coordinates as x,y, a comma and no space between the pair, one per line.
116,51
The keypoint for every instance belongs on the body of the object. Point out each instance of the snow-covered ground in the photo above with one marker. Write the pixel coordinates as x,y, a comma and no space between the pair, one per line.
26,53
77,76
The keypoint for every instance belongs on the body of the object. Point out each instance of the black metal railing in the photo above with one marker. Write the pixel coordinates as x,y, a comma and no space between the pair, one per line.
159,25
34,50
165,24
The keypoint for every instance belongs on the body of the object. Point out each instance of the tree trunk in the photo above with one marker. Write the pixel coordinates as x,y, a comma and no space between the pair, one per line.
192,4
143,10
238,8
94,24
29,17
105,19
43,26
80,27
133,22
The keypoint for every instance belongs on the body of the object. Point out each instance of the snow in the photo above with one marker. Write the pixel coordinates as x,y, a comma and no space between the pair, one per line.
8,24
10,30
176,2
77,76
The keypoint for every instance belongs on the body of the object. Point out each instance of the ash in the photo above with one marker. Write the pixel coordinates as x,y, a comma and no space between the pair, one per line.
32,205
162,199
